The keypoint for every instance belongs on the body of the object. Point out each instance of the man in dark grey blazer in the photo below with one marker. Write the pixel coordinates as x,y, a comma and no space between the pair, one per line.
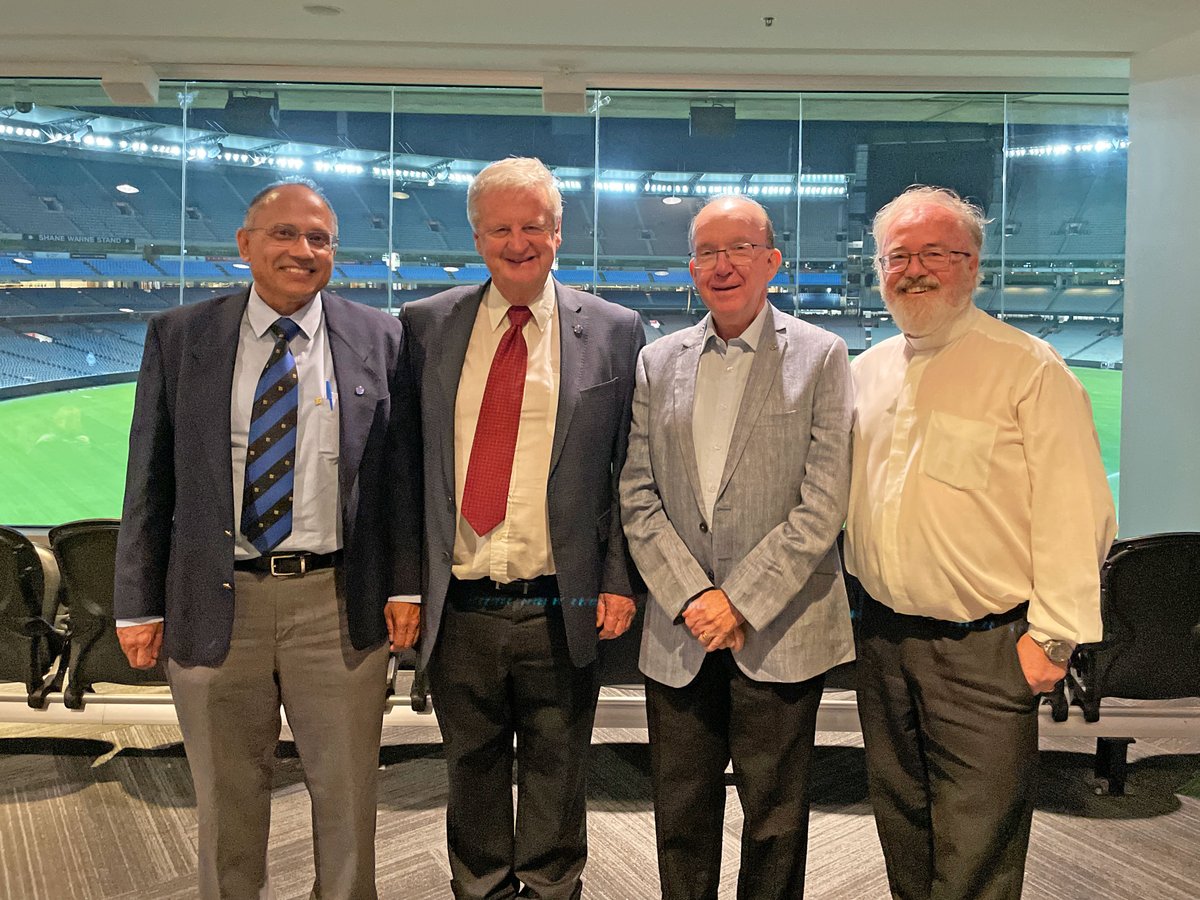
268,504
525,389
733,493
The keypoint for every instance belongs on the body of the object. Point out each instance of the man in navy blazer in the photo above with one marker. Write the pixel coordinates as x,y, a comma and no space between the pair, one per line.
293,615
526,561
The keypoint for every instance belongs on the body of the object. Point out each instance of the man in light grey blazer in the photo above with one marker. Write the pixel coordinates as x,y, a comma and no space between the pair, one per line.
525,390
733,493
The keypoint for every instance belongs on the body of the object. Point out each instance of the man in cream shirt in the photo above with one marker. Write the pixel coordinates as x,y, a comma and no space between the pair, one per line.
979,517
525,388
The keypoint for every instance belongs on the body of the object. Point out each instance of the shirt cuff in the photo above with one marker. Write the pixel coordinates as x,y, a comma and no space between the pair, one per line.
138,620
406,598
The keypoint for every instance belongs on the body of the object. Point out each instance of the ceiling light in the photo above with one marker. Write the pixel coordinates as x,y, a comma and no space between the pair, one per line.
661,273
22,260
450,269
124,309
672,200
128,189
399,195
240,266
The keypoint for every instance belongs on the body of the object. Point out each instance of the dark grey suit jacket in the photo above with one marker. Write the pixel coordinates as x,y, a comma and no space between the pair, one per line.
175,549
599,344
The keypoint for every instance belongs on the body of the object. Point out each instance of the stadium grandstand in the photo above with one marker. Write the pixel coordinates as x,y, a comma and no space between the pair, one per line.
1053,263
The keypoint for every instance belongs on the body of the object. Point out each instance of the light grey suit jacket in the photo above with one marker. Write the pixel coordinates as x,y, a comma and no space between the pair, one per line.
780,505
599,343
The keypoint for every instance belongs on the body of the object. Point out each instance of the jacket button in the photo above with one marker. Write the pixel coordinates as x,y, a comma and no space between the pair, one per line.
704,528
228,533
227,585
450,503
446,556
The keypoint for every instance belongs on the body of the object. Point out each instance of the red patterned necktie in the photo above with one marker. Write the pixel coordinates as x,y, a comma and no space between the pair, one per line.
485,495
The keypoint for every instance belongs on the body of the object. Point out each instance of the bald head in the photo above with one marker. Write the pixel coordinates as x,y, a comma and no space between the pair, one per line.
737,205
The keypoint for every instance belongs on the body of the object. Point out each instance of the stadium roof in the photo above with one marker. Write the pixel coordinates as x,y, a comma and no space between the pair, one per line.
912,44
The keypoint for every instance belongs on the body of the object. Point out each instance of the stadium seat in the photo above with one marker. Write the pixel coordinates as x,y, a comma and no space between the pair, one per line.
30,639
1150,604
86,551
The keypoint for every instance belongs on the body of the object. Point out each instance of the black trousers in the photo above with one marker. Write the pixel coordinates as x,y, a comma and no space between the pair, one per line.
767,729
501,669
950,729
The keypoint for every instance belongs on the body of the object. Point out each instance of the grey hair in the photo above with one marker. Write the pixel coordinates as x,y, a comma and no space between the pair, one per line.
262,196
969,216
514,173
766,217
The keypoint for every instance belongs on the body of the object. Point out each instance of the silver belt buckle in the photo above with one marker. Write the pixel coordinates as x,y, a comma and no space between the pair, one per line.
303,565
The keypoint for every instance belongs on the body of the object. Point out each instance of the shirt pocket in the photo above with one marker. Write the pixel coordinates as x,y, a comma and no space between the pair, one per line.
958,451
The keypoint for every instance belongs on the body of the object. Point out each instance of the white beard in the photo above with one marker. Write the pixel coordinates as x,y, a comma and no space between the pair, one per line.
920,315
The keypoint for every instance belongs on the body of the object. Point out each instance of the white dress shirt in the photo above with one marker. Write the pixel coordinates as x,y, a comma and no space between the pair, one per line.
977,482
721,378
519,547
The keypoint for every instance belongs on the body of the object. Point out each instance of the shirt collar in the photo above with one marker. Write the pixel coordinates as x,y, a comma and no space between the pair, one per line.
497,307
262,317
948,333
747,340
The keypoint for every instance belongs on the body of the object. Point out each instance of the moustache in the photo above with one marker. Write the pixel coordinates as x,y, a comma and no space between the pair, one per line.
919,281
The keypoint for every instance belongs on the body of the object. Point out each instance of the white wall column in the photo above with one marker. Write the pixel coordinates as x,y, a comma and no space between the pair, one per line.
1160,407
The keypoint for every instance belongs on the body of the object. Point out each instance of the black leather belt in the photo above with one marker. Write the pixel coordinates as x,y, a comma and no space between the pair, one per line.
925,625
289,565
542,586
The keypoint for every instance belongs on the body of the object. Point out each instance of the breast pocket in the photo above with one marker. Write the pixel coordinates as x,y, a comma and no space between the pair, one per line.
958,451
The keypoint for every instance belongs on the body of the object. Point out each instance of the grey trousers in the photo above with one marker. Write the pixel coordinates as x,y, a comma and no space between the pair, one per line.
950,730
289,647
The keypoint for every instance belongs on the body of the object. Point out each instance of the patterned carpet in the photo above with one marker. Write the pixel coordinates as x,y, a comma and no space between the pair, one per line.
95,812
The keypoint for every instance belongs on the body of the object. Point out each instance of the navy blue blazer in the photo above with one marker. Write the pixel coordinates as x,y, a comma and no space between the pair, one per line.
599,343
175,549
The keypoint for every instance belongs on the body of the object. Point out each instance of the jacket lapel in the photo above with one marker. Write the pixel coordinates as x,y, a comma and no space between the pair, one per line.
763,370
687,362
455,334
353,371
572,344
216,353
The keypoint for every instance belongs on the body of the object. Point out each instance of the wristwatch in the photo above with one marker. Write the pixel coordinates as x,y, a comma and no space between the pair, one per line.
1058,652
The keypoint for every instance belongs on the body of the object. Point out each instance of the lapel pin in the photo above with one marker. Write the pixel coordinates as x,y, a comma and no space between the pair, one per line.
359,391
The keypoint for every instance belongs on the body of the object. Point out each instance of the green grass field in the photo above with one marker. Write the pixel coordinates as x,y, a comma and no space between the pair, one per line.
64,453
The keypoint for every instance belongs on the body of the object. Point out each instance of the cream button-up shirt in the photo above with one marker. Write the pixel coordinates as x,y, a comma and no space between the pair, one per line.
519,547
977,482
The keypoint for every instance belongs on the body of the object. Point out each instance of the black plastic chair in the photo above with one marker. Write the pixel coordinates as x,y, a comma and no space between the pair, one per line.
86,552
30,637
1150,604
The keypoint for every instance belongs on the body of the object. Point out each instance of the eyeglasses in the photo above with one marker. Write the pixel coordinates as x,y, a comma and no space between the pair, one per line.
737,254
935,260
288,234
531,232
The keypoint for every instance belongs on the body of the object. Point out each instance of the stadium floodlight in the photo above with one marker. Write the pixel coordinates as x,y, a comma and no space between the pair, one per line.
400,195
240,266
23,261
450,269
126,188
124,309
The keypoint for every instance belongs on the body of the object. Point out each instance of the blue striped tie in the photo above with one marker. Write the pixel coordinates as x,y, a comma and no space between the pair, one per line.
271,446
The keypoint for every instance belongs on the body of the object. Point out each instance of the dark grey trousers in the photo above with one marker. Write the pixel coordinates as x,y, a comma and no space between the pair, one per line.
501,669
950,729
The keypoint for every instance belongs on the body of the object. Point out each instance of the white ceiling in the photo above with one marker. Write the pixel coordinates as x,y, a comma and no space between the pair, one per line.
814,45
